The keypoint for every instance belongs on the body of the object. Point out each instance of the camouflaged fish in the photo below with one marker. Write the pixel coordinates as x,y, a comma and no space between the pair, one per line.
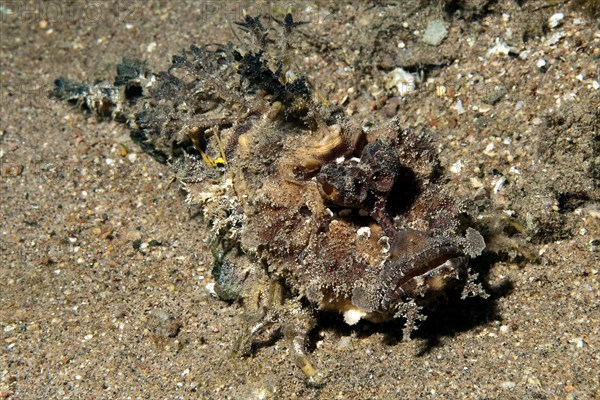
304,206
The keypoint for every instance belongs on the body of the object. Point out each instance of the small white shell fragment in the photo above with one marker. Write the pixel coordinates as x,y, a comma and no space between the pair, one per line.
482,108
555,20
457,167
364,232
290,76
541,63
500,48
488,149
210,288
402,80
440,90
508,385
578,342
458,106
499,184
475,183
384,242
353,315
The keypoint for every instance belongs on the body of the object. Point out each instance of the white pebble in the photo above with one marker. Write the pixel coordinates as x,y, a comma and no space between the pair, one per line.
458,106
364,232
457,167
353,315
210,287
555,20
508,385
579,343
541,63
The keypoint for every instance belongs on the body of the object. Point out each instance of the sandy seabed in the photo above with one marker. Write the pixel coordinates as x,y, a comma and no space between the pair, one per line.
103,267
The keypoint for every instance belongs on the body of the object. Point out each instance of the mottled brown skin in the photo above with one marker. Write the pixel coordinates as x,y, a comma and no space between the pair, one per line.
318,252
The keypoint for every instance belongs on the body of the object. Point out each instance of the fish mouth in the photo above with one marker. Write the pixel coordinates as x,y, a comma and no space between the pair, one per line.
427,273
